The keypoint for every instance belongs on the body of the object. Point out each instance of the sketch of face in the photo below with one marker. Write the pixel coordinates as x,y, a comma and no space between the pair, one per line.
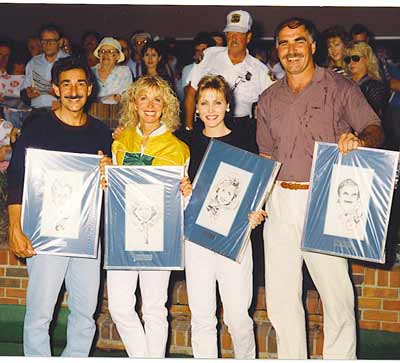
60,193
227,192
348,195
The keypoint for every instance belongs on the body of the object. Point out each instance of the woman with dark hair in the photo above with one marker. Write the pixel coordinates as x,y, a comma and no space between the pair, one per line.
154,59
336,39
362,64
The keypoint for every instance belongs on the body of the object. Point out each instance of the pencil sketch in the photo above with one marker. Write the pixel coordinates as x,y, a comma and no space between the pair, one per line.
61,209
144,217
224,198
348,202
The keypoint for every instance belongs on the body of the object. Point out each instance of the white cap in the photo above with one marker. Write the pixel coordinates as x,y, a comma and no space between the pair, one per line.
114,43
239,21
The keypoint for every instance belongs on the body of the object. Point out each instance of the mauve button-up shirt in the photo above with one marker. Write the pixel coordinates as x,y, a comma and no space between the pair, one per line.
288,124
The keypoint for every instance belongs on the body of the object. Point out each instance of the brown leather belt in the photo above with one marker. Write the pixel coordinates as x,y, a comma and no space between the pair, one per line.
293,186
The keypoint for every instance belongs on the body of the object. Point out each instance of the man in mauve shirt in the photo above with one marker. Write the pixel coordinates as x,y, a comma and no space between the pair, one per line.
309,104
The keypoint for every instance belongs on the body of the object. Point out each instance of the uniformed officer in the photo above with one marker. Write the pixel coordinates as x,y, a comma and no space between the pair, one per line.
246,75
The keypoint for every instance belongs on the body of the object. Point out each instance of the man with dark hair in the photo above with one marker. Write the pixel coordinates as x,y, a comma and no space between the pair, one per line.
67,129
360,33
309,104
201,42
89,42
36,91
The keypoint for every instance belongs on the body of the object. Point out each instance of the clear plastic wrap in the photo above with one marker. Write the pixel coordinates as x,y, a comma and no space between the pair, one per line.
144,218
349,202
229,184
61,204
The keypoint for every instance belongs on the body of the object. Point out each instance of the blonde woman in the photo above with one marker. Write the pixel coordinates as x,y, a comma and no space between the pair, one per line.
150,113
362,64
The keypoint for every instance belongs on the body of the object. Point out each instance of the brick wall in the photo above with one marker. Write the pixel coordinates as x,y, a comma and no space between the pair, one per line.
378,299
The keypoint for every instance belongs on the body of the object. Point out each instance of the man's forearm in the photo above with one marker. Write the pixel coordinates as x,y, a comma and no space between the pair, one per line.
24,97
14,214
372,136
189,106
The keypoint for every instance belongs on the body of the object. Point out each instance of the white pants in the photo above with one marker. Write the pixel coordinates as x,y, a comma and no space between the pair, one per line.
283,279
140,342
235,281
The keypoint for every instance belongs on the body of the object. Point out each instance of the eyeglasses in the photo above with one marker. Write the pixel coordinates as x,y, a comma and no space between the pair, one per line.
139,42
108,51
49,41
354,58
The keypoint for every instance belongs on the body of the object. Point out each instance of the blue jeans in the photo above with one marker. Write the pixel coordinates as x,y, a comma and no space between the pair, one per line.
46,276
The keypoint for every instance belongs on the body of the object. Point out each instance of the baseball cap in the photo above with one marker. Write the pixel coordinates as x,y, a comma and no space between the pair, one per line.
114,43
238,21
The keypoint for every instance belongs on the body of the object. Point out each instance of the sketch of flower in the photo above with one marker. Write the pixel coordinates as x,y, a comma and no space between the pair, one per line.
144,215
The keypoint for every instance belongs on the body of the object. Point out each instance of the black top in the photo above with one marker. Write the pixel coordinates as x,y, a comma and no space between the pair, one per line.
198,143
46,131
376,94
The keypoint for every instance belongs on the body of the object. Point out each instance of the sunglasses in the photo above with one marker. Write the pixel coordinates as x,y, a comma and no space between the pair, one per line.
354,58
108,51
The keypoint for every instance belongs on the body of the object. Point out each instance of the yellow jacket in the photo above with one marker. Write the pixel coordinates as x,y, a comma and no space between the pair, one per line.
162,148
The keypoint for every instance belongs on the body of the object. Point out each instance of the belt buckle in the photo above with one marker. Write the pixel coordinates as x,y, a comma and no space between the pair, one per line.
293,185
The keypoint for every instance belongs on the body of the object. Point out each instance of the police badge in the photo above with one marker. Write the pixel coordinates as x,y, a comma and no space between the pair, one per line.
235,18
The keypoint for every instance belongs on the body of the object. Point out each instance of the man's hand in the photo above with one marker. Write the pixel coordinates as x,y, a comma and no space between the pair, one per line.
3,152
349,142
105,160
117,132
19,244
32,92
14,134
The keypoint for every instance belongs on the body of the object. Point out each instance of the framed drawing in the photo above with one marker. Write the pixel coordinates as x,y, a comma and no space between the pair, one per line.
229,184
349,202
144,218
62,202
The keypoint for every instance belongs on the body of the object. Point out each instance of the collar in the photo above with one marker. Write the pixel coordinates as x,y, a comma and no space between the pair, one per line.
318,75
161,130
229,60
60,54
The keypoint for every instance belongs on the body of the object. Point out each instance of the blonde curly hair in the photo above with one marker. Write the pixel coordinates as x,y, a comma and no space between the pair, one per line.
363,49
129,116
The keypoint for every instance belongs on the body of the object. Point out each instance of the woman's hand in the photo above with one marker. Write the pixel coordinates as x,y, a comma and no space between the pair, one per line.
186,186
104,161
257,217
